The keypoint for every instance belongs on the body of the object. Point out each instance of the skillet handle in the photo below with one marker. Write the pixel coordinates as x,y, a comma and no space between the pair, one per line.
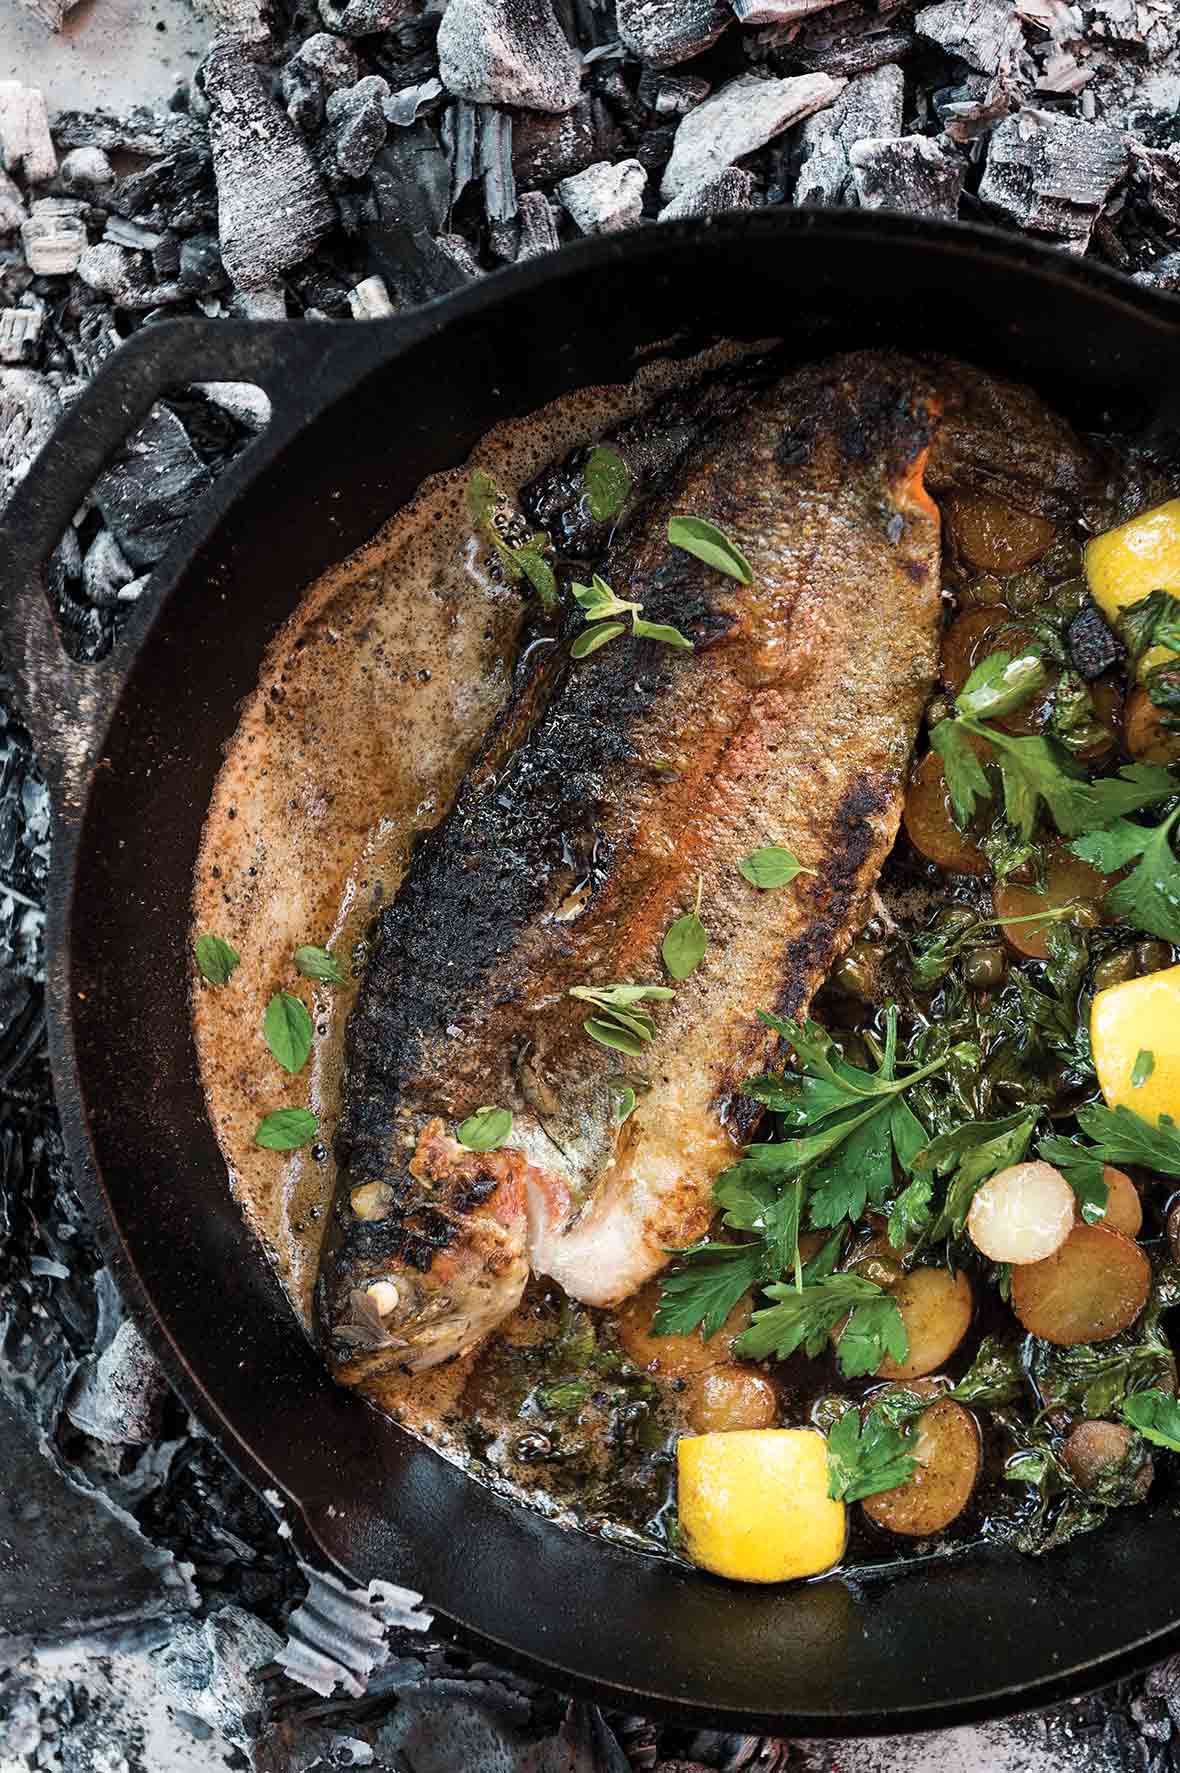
297,364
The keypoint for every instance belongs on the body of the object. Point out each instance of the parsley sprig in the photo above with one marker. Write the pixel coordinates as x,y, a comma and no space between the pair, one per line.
804,1317
1035,772
489,512
1149,897
866,1458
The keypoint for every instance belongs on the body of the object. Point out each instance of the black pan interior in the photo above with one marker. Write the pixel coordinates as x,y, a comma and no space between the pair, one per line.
949,1641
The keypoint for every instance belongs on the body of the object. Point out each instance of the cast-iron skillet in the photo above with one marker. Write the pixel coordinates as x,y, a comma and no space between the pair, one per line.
361,414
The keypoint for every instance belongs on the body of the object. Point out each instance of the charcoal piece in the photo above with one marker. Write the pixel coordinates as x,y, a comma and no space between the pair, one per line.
1094,647
402,108
113,271
213,1669
118,1396
415,268
273,208
972,110
12,204
362,18
671,95
356,118
176,191
495,165
1163,273
548,148
322,64
849,53
242,19
25,143
869,106
166,259
54,236
605,198
742,116
245,402
105,570
86,172
538,227
1155,179
983,33
29,409
1051,175
370,300
664,32
201,270
140,130
508,52
20,329
777,12
131,234
653,150
460,254
458,132
909,173
411,179
151,488
733,189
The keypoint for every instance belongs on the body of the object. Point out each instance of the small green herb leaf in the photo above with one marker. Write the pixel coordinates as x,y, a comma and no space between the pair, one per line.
215,959
995,1376
771,867
705,1286
596,600
661,631
1082,1170
1153,621
286,1129
866,1459
1156,1416
1149,898
485,1130
624,1103
703,539
999,684
288,1031
966,779
607,479
615,1036
590,639
1113,848
1142,1069
317,963
683,947
1122,1137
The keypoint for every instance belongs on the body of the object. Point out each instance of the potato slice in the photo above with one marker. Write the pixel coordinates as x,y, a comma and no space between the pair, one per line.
993,536
1128,563
1022,1214
728,1398
673,1357
1124,1209
1146,735
929,824
947,1448
754,1505
1095,1286
1139,1016
936,1309
1068,881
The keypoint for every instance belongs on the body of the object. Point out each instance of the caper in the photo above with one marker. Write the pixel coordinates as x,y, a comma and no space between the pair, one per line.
1061,560
1116,969
955,920
940,709
855,972
1025,591
883,1271
1152,957
984,969
1071,596
1086,915
827,1410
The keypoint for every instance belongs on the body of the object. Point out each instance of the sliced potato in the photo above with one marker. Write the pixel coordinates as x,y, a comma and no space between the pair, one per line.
1147,737
1139,1016
673,1357
1022,1214
754,1505
1068,881
1095,1286
929,824
1124,1209
1093,1447
947,1448
1128,563
728,1398
936,1309
993,536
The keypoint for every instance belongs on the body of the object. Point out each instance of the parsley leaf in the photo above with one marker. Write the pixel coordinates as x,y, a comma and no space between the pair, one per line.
999,684
804,1317
683,948
286,1129
966,778
216,959
1122,1137
288,1031
317,963
995,1376
703,539
1153,621
492,515
1082,1169
1142,1069
486,1130
591,639
706,1287
1114,847
866,1458
1156,1416
1149,898
974,1152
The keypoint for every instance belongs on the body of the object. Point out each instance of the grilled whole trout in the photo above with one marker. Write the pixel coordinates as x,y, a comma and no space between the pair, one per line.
612,786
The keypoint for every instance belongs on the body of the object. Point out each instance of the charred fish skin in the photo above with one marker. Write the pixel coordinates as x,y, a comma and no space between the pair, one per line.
583,832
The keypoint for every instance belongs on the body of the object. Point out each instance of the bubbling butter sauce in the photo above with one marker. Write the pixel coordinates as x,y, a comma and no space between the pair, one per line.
371,704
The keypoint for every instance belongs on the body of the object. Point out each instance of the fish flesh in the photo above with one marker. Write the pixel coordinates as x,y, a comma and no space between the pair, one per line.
611,790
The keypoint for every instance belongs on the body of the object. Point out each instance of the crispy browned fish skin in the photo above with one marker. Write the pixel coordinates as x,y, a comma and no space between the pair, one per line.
569,853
